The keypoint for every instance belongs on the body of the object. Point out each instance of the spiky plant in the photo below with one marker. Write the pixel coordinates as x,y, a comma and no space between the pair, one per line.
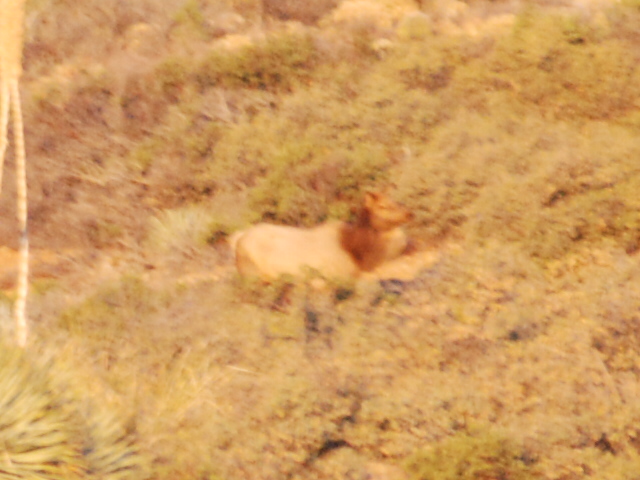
180,229
112,454
48,434
38,438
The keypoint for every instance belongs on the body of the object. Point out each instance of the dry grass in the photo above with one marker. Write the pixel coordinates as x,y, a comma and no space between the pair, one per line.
482,343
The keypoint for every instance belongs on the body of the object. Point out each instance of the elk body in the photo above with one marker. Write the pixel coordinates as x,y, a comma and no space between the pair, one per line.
333,249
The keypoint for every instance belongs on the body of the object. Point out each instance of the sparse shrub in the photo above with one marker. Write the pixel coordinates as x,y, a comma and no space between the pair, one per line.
624,20
300,180
228,213
106,315
485,455
198,22
55,31
179,230
363,36
200,141
175,156
591,217
316,153
556,63
279,63
250,9
86,91
273,296
191,14
41,286
380,15
415,26
172,75
420,65
618,340
103,232
305,12
188,134
141,158
141,107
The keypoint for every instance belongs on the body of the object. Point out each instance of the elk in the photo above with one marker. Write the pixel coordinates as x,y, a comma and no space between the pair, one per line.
333,249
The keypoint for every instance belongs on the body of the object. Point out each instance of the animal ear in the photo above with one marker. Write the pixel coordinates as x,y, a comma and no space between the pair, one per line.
370,199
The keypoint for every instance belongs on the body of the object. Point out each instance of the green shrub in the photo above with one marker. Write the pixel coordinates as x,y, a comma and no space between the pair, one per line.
141,158
172,75
471,457
142,103
305,12
565,67
104,232
191,18
106,315
278,64
306,186
426,66
315,154
180,229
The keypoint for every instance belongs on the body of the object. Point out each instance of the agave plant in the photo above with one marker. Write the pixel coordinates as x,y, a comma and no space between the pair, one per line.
37,436
44,435
112,454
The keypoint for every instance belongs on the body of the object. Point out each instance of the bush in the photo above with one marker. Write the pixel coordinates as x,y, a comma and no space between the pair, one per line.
105,316
280,63
306,186
472,457
556,64
305,12
172,75
420,65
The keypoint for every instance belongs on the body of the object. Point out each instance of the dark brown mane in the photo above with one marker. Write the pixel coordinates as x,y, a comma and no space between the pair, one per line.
332,249
363,242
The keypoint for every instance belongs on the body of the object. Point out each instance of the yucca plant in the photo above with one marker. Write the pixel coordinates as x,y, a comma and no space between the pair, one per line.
38,438
112,454
47,435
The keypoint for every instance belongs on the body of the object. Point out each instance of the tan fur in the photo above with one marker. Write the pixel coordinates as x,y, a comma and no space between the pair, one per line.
333,249
233,239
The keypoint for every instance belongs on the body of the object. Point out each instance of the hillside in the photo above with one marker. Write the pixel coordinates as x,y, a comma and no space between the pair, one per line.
507,347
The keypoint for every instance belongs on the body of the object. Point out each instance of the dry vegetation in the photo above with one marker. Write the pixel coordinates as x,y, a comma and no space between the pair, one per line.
156,128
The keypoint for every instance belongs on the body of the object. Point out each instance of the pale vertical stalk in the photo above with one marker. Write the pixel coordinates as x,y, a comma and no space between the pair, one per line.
21,189
4,122
4,84
11,38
